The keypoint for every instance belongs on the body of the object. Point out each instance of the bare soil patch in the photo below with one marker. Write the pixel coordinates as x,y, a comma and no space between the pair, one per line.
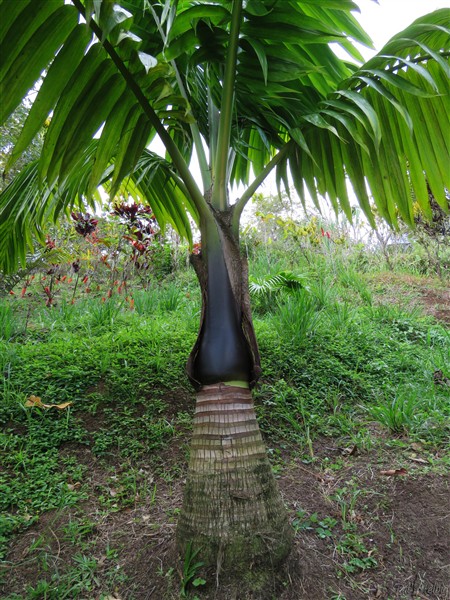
432,295
401,520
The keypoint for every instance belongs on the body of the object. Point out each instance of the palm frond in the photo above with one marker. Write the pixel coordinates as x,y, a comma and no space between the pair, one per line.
142,69
385,130
26,207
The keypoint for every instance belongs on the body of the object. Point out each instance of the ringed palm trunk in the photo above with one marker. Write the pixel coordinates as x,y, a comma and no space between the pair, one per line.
232,510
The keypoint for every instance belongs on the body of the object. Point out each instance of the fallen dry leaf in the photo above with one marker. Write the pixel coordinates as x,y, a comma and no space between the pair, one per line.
74,486
390,472
350,451
417,446
36,401
33,401
422,461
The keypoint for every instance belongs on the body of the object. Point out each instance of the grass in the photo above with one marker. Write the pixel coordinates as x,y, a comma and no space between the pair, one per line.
297,317
336,360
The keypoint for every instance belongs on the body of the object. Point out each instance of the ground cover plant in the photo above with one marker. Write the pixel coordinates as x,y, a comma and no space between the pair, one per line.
353,406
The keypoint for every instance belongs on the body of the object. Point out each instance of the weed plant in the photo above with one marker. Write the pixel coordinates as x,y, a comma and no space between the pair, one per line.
146,302
9,324
297,316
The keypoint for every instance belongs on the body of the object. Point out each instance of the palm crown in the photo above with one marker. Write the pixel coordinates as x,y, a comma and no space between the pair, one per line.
249,86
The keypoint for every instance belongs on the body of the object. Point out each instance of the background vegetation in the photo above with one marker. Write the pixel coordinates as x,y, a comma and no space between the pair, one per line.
96,407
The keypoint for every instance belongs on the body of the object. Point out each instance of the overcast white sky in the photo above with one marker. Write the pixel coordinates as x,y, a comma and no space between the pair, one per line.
385,18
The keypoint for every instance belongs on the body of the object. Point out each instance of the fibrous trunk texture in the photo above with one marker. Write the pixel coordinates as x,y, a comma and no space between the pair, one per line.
232,510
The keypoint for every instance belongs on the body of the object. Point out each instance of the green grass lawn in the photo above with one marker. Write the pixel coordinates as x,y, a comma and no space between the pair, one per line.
346,366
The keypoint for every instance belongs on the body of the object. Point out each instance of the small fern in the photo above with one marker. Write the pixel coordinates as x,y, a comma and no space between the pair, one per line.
271,284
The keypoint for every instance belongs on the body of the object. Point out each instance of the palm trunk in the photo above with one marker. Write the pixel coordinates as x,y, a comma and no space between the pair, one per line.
232,510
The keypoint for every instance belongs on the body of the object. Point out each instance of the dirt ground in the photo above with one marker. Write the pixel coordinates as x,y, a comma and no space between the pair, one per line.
403,520
432,299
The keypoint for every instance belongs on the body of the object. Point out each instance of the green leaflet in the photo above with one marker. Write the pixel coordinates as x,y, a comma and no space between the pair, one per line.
393,164
134,136
281,177
65,61
20,205
440,134
10,15
34,57
287,16
317,120
186,41
85,103
350,126
381,89
295,170
68,98
298,137
396,80
186,20
416,173
420,70
25,25
341,20
109,139
284,32
434,165
328,171
90,121
441,60
308,175
340,177
353,160
368,111
260,54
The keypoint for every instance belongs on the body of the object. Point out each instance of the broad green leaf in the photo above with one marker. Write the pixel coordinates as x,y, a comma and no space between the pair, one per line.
66,61
86,104
85,71
34,57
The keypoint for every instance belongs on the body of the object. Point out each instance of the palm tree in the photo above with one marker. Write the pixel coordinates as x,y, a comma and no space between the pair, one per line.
250,87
